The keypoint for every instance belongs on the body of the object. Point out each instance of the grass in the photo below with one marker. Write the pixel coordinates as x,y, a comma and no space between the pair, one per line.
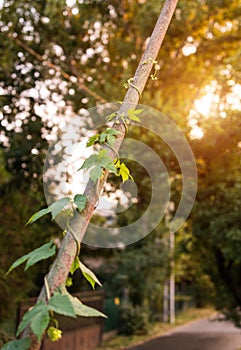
120,342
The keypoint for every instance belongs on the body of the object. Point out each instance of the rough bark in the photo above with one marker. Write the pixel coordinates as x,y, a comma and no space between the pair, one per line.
62,264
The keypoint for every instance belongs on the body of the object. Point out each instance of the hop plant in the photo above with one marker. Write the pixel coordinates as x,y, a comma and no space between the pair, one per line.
54,334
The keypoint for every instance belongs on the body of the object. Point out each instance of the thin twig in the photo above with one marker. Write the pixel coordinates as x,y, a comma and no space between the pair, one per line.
51,65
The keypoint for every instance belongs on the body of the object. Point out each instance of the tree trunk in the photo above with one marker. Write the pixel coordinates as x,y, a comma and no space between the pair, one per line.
62,264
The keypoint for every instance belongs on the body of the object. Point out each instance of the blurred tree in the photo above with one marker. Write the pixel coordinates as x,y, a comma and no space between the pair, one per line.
137,273
216,218
57,59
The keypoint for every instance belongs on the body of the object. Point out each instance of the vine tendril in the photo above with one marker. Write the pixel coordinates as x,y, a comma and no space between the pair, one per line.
75,238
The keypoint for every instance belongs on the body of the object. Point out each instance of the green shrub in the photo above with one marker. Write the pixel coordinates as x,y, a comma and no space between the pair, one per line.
133,320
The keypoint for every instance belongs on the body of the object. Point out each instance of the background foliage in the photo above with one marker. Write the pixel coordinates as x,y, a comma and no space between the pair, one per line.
60,57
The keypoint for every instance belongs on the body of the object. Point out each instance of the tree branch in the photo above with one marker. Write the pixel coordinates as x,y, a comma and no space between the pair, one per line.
51,65
62,264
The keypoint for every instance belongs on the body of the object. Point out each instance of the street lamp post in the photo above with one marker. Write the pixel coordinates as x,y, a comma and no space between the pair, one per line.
172,279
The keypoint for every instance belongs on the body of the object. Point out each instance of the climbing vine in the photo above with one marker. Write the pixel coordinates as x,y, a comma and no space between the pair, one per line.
57,300
41,317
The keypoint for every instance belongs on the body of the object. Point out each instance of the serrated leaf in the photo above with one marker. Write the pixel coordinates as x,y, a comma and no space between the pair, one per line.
92,140
111,167
80,201
29,316
89,162
98,162
80,309
41,253
61,304
38,215
44,252
109,136
58,206
18,344
105,160
83,310
89,275
96,173
40,323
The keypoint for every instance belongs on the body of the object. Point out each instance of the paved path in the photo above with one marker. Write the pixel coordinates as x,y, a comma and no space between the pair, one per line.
198,335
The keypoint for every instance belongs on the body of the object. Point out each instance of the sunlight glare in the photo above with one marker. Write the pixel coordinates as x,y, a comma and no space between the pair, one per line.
204,104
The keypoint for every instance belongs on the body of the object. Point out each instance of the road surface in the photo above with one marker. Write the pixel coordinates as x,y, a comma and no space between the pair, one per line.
208,334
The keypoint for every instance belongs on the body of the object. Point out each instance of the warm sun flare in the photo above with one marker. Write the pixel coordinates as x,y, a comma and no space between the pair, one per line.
210,104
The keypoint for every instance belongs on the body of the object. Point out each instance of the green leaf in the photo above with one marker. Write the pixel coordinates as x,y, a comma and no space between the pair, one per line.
61,304
98,162
18,262
89,275
92,140
111,167
38,215
30,314
83,310
44,252
111,140
138,111
109,136
135,119
111,116
96,173
55,208
89,162
80,309
58,206
38,318
18,344
80,201
75,265
132,114
40,322
105,160
103,137
102,153
111,131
